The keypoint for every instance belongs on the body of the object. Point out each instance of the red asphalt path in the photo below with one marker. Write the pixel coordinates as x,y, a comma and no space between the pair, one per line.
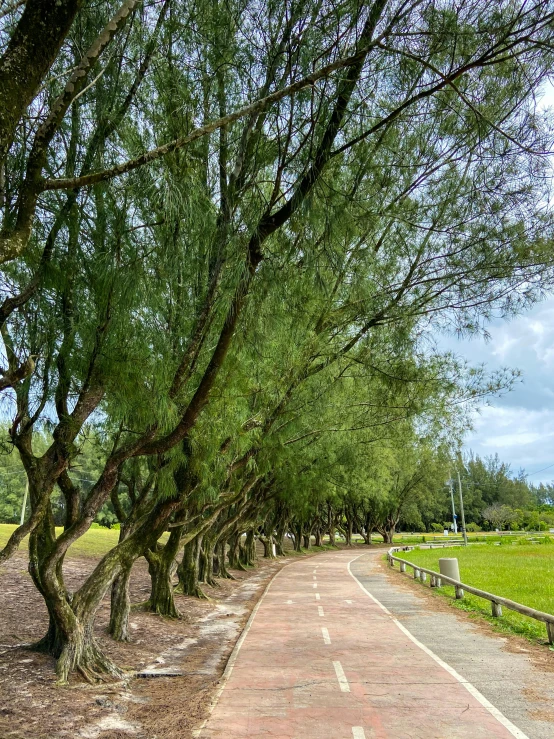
339,666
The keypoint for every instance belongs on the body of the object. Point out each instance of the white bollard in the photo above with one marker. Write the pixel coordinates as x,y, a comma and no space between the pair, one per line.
448,566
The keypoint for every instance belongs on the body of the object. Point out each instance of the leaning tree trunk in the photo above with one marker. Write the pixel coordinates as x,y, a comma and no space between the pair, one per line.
70,637
120,606
268,545
318,539
222,570
348,531
332,533
307,540
161,567
387,533
235,558
206,569
188,570
250,548
280,541
298,538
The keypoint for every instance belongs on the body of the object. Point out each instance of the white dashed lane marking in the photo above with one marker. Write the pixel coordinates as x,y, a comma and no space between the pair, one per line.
341,677
358,732
317,596
326,637
320,611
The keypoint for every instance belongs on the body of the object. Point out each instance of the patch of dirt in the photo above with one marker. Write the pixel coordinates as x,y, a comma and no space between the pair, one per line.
540,655
194,648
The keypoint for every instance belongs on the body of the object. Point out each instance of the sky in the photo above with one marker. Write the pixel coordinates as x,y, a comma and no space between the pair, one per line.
519,426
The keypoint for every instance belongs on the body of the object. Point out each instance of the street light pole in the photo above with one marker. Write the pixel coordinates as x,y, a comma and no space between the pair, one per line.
462,510
453,506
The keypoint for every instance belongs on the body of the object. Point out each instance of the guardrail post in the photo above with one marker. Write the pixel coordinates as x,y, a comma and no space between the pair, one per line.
402,567
423,576
550,632
416,573
433,582
391,561
459,592
496,609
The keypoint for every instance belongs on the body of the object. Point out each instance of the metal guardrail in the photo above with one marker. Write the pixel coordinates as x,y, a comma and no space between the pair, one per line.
497,602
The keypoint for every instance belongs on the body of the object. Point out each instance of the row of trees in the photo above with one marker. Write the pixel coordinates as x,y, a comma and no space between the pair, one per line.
229,231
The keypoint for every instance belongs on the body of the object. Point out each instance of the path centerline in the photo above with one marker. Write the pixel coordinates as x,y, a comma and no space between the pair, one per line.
284,681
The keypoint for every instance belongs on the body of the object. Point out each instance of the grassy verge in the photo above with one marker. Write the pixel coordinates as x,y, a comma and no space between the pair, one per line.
95,543
520,571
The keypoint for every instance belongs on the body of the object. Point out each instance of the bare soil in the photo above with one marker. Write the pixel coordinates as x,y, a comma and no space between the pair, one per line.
194,649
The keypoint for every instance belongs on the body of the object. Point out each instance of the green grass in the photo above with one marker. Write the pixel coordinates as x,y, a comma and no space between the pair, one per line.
520,571
95,543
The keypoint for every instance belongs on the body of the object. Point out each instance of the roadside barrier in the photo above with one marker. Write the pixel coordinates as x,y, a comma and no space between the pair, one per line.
497,602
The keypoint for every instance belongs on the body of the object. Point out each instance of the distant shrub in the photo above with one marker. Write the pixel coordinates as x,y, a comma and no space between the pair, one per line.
473,528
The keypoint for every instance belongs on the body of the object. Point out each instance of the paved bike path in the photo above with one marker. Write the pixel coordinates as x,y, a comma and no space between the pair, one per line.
322,657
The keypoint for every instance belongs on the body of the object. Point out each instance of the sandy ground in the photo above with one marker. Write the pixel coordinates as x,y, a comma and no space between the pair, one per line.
194,647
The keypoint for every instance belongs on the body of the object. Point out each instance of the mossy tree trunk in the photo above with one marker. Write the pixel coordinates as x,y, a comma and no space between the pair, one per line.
70,636
206,574
189,569
120,606
161,568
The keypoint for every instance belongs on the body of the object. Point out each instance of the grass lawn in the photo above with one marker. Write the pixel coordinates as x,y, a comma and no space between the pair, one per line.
520,571
95,543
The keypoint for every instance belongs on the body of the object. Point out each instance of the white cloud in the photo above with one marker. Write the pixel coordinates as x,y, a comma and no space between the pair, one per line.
520,425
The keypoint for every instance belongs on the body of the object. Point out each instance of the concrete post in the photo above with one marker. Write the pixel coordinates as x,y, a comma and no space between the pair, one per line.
449,567
496,609
459,593
550,632
416,573
423,576
402,567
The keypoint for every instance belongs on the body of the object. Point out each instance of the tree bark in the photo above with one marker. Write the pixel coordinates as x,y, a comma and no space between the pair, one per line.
222,570
188,570
206,574
120,606
268,544
161,567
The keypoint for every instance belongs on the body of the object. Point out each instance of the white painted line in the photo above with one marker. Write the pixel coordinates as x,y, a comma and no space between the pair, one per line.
314,577
341,677
358,732
326,637
320,611
317,596
289,601
315,585
349,601
315,571
498,715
